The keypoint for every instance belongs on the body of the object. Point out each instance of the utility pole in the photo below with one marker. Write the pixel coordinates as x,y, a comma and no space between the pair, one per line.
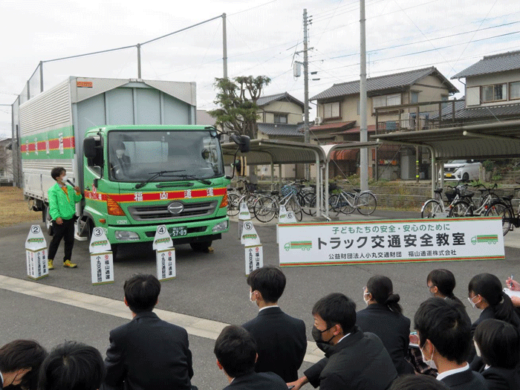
138,60
306,88
224,44
363,153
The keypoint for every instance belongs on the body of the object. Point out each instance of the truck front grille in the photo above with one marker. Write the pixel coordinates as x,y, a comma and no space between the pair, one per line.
158,213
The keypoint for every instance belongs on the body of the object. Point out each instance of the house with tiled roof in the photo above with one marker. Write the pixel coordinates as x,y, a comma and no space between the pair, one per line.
338,111
492,90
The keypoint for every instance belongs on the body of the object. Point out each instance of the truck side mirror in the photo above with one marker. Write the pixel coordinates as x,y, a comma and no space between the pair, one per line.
89,147
243,142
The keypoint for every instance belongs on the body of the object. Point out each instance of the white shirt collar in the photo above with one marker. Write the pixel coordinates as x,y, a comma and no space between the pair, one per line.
452,372
266,307
348,334
2,377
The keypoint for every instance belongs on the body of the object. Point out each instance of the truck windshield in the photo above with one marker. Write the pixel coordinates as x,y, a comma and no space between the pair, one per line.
134,156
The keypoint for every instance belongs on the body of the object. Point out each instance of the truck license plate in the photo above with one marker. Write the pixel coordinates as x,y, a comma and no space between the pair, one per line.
178,231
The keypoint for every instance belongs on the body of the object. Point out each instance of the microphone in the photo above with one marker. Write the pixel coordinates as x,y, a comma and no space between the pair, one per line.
71,183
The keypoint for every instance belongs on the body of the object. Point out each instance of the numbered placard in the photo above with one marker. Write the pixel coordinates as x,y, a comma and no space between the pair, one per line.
99,242
35,239
244,214
254,258
166,264
102,268
162,238
249,235
36,254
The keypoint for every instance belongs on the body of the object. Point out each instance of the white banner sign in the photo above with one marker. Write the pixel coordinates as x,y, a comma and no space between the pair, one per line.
254,258
166,264
102,268
391,241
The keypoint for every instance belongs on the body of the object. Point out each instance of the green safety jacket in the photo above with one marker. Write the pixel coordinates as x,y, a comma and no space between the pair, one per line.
59,205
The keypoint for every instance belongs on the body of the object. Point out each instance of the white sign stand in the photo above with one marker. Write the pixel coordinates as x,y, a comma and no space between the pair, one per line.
101,258
165,254
244,215
284,216
36,254
249,234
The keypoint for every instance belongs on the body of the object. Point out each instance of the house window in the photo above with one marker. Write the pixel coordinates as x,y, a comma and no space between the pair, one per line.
493,93
383,101
280,118
415,97
331,110
514,90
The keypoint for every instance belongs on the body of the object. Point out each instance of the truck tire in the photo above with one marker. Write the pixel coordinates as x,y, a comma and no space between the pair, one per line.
202,246
115,250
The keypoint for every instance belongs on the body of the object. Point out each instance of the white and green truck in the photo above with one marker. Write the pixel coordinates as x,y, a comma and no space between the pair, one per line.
171,171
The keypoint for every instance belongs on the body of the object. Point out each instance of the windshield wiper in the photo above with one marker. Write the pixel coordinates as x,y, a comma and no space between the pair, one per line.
156,174
193,177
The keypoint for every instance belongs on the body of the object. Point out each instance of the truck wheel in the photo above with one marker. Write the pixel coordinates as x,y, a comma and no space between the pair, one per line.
115,249
202,246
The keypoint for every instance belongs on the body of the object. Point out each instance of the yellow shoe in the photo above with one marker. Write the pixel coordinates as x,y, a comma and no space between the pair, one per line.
68,264
50,266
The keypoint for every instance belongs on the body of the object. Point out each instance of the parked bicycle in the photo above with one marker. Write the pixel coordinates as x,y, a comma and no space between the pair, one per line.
466,207
268,206
365,202
245,192
436,207
504,208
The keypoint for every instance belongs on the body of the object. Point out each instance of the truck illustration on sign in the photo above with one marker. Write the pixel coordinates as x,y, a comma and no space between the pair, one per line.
303,245
490,239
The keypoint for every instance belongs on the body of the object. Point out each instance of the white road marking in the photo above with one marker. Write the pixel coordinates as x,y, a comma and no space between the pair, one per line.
195,326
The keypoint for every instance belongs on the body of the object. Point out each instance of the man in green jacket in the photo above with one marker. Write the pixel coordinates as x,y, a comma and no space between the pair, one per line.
62,201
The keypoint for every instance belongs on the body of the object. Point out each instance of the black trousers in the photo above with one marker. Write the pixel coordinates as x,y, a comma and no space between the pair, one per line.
65,231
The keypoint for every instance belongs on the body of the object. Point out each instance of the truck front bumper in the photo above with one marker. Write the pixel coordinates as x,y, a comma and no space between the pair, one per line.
197,231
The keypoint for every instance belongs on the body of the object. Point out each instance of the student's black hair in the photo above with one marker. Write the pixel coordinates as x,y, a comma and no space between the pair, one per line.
382,292
444,324
489,287
270,281
337,308
444,280
417,382
56,172
142,292
20,354
72,366
499,343
235,349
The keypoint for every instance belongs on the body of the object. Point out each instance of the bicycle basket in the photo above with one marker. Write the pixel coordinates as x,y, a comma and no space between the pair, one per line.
450,195
332,187
286,190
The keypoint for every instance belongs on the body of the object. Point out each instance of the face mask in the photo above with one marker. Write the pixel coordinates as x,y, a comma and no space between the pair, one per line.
477,349
473,304
366,300
64,178
430,363
316,335
120,153
251,298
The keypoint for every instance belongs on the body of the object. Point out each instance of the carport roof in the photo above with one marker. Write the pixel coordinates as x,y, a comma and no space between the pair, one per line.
492,140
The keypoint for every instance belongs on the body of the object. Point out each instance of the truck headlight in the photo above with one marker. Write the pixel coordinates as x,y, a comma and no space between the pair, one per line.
220,227
123,235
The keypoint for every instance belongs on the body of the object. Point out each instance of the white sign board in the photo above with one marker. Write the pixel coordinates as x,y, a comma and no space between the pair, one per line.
36,263
102,268
249,234
254,258
391,241
162,238
99,242
166,264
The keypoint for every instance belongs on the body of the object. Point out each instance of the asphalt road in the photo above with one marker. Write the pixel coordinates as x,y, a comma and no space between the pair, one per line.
208,286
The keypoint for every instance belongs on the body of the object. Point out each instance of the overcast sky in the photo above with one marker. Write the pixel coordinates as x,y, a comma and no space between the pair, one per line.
263,36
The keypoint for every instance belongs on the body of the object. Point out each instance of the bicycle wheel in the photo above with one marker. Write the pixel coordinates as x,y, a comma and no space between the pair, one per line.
500,209
334,203
251,201
461,209
265,208
367,203
233,207
345,206
294,206
309,204
431,208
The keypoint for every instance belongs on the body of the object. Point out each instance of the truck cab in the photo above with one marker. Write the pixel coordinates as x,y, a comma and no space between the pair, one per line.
141,176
